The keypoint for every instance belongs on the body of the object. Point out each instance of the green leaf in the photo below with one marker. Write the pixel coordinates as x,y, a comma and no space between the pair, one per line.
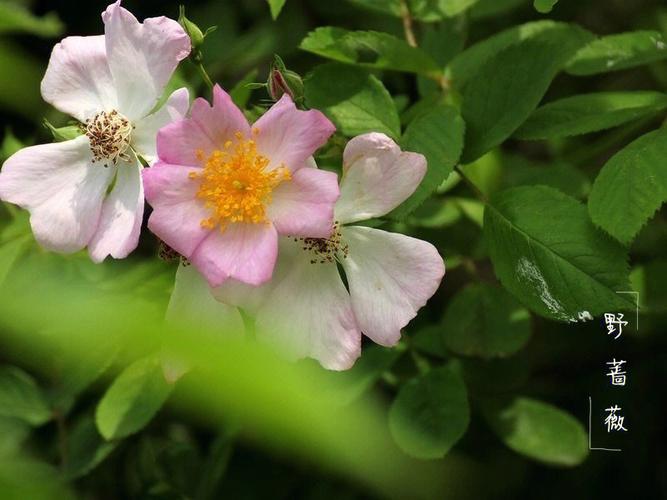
436,10
488,8
15,238
13,432
85,448
520,171
15,18
276,6
442,42
547,252
370,49
21,398
538,430
485,321
430,414
503,92
582,114
133,399
471,60
354,100
631,187
616,52
438,135
544,6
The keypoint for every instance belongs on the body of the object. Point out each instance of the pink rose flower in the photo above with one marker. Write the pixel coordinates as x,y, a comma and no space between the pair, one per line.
306,310
222,191
88,191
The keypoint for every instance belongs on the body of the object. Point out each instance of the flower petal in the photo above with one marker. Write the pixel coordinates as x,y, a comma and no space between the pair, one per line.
142,57
144,136
309,314
122,214
377,177
78,81
390,277
245,252
207,129
304,205
177,215
289,136
192,305
62,190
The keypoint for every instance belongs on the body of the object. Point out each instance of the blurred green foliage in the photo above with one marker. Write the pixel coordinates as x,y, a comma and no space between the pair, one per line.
521,115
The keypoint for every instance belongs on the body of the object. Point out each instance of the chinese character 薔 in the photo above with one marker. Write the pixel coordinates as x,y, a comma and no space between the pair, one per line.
614,323
616,372
614,422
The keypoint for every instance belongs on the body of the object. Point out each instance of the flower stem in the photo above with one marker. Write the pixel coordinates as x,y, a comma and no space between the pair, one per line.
407,24
204,75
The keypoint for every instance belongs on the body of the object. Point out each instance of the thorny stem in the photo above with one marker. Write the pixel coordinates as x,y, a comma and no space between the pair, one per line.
471,185
407,24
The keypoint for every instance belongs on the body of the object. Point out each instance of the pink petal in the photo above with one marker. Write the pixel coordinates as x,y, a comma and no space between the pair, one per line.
245,252
207,129
144,136
390,276
250,298
191,305
78,81
288,136
309,314
62,190
304,205
177,214
142,57
167,184
377,177
122,214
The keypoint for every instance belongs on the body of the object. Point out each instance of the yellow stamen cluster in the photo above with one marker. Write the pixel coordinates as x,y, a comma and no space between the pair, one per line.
235,184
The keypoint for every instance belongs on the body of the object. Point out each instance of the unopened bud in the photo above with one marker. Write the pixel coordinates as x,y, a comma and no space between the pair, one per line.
193,31
283,81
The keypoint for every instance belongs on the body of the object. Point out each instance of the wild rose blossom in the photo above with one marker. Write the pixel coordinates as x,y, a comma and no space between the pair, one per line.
306,310
222,191
88,191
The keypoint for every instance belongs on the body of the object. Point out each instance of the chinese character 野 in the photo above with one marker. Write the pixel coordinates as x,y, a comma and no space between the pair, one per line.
616,372
614,323
614,422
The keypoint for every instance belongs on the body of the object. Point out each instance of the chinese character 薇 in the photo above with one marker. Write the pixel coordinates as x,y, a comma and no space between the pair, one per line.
614,422
616,372
614,323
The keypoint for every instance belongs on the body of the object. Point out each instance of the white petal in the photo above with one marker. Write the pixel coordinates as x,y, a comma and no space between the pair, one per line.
142,57
377,177
308,314
191,305
391,276
145,132
62,190
122,213
78,81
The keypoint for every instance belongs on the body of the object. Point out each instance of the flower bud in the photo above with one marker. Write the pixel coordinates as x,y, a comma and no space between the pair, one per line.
283,81
193,31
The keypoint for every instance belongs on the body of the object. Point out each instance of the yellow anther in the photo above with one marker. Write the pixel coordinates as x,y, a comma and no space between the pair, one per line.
235,185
